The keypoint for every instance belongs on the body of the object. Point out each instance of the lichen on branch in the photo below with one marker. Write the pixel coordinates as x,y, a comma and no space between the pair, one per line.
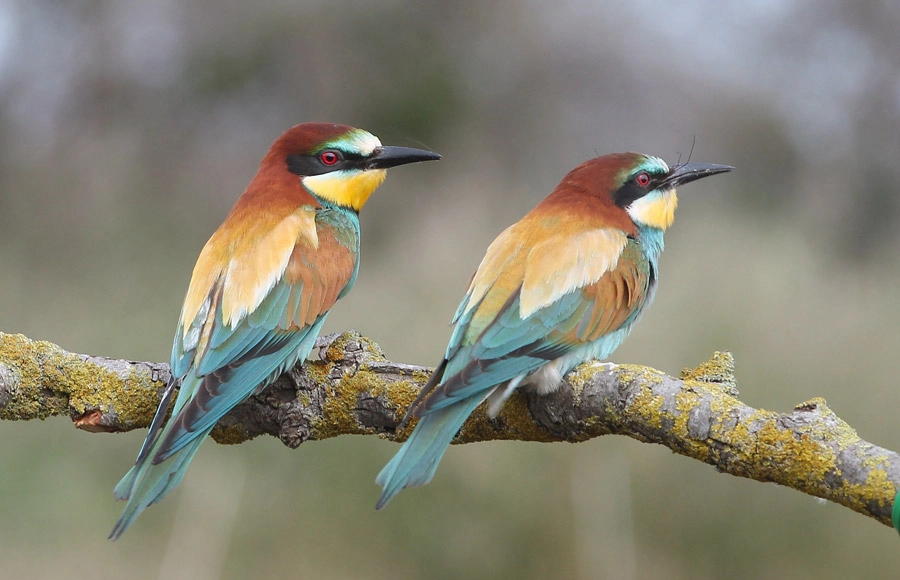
353,389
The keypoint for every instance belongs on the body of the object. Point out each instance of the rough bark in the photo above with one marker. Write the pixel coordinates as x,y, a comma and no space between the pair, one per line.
354,389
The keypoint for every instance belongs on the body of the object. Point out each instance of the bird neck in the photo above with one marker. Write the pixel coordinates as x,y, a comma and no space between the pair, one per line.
652,242
343,222
343,225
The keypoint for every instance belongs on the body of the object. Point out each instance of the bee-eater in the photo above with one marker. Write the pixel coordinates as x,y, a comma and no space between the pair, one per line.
260,290
562,286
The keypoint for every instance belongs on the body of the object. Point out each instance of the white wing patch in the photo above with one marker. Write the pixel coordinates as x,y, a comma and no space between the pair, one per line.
191,335
559,266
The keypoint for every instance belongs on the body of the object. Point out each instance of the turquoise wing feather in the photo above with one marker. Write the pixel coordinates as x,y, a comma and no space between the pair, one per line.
216,365
587,322
236,363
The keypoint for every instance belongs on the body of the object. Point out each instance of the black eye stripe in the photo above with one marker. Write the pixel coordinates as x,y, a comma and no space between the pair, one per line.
631,191
309,165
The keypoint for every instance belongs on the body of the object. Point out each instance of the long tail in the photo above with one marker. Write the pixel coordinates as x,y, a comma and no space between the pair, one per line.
417,460
146,483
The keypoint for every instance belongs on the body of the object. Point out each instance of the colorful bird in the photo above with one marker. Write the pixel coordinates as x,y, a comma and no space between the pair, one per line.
562,286
261,289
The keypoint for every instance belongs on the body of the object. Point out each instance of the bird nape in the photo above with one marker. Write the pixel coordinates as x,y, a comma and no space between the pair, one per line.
260,291
562,286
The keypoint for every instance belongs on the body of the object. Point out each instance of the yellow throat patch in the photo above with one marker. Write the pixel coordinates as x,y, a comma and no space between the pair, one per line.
346,188
656,209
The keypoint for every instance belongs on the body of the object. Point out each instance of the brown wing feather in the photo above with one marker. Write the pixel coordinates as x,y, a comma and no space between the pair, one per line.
319,275
615,297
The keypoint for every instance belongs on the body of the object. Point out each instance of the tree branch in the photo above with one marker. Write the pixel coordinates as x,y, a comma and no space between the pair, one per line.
354,389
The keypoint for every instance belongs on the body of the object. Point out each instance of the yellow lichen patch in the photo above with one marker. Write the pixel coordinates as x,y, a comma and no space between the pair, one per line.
692,443
861,498
809,460
29,399
880,483
832,428
874,462
628,373
580,376
401,396
337,350
318,371
338,405
878,489
519,422
583,373
133,400
816,403
645,404
52,381
719,369
479,427
421,377
695,392
230,435
649,408
339,411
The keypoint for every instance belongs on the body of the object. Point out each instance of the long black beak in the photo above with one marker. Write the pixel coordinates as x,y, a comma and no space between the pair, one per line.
689,172
388,156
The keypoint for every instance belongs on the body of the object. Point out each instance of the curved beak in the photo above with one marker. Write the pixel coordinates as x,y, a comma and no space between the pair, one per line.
689,172
389,156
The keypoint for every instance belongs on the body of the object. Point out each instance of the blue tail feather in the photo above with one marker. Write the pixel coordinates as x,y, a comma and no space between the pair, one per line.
147,483
417,460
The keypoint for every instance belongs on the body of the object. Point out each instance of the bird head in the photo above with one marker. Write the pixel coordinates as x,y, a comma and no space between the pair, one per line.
646,187
339,164
641,185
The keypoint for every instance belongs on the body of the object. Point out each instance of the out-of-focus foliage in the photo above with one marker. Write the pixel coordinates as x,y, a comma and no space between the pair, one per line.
127,129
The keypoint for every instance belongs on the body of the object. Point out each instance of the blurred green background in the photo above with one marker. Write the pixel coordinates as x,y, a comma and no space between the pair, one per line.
127,130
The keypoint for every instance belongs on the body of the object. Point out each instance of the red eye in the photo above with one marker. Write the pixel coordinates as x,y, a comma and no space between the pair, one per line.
329,157
642,179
